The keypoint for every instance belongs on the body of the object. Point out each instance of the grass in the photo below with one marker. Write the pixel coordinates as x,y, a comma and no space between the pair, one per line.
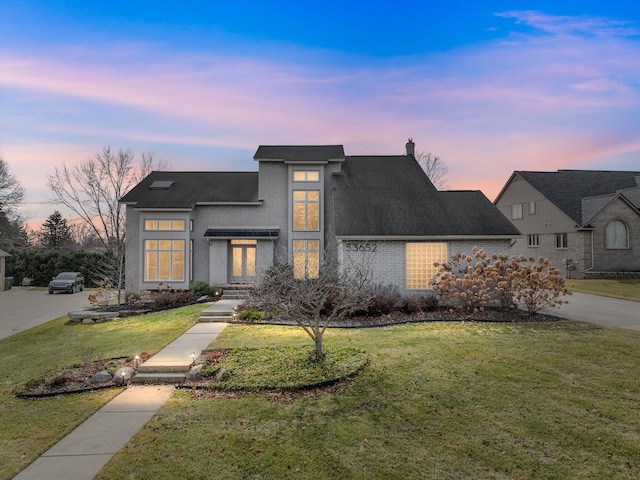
283,368
438,400
628,289
29,427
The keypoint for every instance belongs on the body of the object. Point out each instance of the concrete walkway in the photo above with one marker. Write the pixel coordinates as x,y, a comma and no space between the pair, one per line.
82,453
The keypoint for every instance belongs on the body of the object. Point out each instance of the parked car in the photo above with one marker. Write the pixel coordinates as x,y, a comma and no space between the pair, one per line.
70,282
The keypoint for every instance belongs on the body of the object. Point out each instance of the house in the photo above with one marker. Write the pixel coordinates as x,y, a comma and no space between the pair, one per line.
303,203
3,256
586,222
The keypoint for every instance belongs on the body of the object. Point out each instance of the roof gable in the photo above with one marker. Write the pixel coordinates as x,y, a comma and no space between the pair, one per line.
566,188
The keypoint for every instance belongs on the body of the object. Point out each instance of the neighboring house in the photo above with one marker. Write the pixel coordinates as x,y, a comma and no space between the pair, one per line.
586,222
3,256
303,203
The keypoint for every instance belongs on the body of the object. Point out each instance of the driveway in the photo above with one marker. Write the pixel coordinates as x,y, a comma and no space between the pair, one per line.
23,308
611,312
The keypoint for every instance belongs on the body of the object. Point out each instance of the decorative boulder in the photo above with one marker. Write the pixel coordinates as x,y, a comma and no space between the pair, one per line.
123,375
101,377
195,373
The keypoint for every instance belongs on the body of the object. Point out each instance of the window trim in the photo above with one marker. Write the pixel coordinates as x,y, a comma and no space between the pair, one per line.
533,240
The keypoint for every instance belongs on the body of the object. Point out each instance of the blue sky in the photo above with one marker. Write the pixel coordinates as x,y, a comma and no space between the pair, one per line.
490,87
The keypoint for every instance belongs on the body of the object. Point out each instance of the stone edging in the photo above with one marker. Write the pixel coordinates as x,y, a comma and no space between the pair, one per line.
89,316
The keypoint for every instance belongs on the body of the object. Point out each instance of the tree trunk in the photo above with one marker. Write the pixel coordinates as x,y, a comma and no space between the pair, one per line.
318,353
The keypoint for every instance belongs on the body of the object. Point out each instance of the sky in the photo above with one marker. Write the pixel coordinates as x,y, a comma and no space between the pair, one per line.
489,87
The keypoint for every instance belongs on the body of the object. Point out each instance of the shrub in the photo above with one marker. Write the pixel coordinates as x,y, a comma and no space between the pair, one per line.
251,315
538,285
200,288
383,301
415,303
170,298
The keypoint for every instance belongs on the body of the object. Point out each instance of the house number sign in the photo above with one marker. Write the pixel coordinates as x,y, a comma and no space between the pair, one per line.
360,247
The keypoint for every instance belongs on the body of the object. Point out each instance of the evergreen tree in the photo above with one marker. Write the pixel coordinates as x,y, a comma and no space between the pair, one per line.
55,232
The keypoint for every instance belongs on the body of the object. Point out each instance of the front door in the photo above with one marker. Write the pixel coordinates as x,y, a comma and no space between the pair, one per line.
243,261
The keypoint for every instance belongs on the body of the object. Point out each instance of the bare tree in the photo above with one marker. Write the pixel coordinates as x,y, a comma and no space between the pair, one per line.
314,303
435,169
11,190
93,189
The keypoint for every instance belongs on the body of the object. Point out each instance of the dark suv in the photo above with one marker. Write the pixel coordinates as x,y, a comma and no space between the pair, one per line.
70,282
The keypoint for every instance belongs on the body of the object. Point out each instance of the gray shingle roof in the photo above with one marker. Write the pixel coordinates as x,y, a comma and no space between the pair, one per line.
190,188
566,188
392,196
300,153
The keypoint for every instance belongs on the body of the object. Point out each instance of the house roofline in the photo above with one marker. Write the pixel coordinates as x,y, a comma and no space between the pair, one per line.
423,237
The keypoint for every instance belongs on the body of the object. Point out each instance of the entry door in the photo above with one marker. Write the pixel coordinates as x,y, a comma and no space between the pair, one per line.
243,261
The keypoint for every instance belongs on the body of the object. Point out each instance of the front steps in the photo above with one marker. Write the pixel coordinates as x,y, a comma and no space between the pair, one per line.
220,311
172,363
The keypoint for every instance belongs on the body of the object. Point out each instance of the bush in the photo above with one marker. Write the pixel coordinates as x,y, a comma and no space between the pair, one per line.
251,315
384,300
200,288
170,298
472,282
412,304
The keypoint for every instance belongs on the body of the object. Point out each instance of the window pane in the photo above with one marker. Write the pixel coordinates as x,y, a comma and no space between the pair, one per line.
150,224
313,264
177,245
164,260
164,224
298,216
151,245
177,267
165,244
178,225
299,176
151,267
313,218
298,265
313,176
516,211
299,195
251,262
532,208
237,262
617,236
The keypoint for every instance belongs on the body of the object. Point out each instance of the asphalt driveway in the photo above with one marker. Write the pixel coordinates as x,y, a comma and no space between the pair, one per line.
611,312
23,308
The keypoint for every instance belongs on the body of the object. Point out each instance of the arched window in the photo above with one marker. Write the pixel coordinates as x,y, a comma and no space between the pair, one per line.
617,235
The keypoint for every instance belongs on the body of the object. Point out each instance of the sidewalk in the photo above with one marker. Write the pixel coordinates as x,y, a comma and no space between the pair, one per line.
82,453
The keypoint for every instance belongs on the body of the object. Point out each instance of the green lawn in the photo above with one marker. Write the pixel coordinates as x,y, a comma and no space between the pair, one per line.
29,427
628,289
438,401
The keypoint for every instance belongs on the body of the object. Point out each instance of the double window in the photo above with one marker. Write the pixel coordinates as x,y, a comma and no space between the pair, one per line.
562,240
306,176
306,210
533,240
306,258
421,258
164,260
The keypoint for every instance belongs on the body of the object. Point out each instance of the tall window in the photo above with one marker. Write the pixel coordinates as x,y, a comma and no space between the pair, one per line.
617,235
306,210
534,240
562,240
420,263
306,176
516,211
164,260
306,258
532,208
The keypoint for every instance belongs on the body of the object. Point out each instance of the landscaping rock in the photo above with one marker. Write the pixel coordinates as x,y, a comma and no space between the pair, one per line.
101,377
123,375
195,373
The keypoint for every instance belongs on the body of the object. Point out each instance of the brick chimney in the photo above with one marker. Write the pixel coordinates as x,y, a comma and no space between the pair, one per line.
411,147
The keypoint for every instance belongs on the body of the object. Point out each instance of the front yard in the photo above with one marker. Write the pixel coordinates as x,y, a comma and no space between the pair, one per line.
437,400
